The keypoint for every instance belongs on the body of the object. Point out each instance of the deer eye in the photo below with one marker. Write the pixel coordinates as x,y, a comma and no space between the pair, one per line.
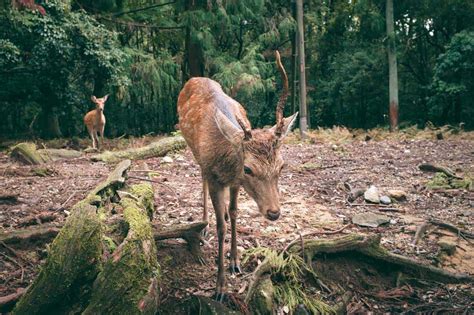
248,170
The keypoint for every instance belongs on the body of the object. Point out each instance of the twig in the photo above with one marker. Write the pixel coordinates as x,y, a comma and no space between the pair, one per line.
67,200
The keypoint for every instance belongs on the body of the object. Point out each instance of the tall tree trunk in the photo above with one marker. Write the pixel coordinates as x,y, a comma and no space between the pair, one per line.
194,54
294,61
392,67
303,108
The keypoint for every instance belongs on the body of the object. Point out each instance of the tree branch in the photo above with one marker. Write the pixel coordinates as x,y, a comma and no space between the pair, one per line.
143,9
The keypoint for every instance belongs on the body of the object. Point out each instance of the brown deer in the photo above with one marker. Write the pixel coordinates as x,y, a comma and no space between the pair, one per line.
95,121
231,154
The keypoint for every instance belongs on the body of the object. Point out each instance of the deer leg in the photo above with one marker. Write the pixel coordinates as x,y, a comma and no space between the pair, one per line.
91,133
96,140
234,259
102,135
205,214
218,201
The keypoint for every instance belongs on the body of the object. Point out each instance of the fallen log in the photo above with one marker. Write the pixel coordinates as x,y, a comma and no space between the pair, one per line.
159,148
128,283
65,281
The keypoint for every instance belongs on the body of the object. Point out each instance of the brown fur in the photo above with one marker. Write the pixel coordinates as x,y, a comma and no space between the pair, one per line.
95,121
222,157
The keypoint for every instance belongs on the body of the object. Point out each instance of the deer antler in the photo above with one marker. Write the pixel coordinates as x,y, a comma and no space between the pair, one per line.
283,96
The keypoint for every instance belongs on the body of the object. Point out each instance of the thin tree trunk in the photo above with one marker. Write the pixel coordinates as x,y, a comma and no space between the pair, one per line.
294,62
392,67
302,81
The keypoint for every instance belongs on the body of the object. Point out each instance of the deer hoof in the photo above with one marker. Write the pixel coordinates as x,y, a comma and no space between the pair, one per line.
235,268
219,297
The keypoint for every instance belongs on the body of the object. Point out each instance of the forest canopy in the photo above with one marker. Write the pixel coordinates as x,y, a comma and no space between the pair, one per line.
55,54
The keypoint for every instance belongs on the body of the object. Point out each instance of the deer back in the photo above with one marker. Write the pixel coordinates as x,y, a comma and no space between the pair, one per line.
201,104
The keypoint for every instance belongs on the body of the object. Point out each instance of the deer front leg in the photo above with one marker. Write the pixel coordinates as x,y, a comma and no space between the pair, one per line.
91,133
218,201
234,259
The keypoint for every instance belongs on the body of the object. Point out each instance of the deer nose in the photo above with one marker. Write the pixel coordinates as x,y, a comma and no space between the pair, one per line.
273,214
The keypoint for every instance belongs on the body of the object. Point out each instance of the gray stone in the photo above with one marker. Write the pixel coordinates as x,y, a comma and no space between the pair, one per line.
167,159
385,200
372,195
370,219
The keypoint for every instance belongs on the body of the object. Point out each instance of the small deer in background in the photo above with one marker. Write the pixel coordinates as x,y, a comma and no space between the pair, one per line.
231,154
95,121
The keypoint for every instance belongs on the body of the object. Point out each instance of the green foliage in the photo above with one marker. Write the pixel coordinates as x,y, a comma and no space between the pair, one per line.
288,277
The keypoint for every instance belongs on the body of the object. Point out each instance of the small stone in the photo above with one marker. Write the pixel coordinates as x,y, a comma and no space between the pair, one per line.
398,195
167,159
385,200
370,219
372,195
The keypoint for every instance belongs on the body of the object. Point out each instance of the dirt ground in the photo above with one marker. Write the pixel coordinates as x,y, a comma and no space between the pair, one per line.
314,189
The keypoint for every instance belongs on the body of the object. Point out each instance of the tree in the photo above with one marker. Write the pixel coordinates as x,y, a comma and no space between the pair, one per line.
392,67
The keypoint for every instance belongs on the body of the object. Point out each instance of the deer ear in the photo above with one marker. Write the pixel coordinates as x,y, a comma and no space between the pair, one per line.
93,98
105,98
231,132
288,124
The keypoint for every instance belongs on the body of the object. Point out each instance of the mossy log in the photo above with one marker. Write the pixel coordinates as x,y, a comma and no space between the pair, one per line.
73,263
26,153
80,276
24,238
59,154
158,148
369,245
128,283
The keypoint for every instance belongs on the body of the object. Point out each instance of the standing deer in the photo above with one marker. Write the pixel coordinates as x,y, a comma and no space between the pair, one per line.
95,121
231,154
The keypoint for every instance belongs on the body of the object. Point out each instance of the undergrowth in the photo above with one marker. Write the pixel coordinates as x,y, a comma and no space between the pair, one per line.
288,273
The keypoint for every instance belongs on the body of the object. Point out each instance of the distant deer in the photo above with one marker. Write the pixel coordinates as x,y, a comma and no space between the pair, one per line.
95,121
231,154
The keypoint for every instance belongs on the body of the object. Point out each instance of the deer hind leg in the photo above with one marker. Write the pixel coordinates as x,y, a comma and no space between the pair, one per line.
96,140
218,201
234,259
102,135
205,197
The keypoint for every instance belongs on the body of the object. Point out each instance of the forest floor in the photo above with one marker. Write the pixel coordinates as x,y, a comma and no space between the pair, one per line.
314,190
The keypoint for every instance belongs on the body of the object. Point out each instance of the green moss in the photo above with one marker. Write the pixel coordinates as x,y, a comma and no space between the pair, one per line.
127,285
73,263
145,191
442,181
310,166
26,152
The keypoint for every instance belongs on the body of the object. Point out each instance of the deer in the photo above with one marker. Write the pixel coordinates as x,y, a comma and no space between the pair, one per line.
95,121
231,154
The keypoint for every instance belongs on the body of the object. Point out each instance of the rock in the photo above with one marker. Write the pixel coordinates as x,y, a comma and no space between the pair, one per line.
355,193
385,200
167,159
397,194
372,195
370,219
